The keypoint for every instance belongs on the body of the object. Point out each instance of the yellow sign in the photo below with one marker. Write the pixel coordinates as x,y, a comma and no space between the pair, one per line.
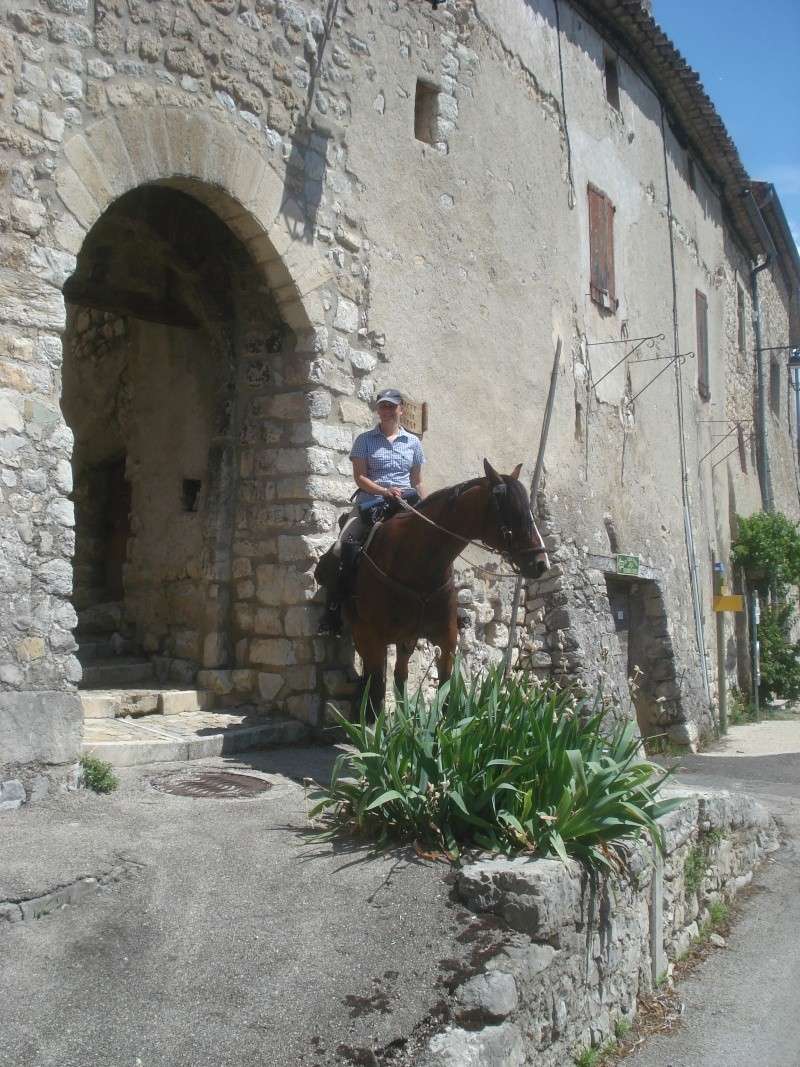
731,602
415,416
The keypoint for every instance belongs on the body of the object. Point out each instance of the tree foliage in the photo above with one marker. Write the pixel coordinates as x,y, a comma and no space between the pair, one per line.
768,544
780,656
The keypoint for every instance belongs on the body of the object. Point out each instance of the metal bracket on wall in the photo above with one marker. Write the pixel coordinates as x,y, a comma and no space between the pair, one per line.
637,343
737,428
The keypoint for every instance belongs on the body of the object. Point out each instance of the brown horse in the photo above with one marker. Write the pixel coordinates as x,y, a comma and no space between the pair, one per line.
404,589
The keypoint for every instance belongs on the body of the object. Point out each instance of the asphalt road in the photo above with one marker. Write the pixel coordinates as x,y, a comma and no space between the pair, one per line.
742,1006
232,940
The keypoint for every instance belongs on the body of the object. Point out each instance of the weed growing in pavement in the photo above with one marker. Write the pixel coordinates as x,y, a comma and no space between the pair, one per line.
694,868
98,775
718,912
621,1028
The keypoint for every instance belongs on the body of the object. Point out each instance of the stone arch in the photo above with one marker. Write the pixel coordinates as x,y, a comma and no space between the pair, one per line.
211,160
198,155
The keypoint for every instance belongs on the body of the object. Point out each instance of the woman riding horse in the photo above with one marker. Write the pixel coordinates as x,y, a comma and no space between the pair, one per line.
387,462
404,589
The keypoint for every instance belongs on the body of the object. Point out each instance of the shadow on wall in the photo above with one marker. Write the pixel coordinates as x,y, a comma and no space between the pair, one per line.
307,162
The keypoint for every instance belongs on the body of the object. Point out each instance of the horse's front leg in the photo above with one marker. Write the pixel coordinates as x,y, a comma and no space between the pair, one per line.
373,675
405,650
446,644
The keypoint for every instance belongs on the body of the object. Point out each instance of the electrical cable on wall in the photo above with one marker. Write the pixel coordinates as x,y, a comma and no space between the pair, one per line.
694,581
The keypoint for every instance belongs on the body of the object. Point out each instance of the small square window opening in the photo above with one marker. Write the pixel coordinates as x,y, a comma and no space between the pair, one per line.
612,83
190,492
775,387
740,316
426,112
701,313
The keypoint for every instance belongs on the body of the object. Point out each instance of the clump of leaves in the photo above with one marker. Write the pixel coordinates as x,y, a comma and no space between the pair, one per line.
504,765
98,775
768,544
780,656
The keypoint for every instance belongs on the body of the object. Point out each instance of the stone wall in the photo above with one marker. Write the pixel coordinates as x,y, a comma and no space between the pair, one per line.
575,960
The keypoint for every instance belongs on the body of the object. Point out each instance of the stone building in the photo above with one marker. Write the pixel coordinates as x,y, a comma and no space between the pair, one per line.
227,223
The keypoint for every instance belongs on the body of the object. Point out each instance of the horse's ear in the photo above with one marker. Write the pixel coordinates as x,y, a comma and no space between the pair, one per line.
515,473
491,473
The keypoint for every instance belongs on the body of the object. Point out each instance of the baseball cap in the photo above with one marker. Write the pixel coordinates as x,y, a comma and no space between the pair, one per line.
389,396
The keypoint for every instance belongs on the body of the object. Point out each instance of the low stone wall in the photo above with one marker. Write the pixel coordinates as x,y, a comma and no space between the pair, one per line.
575,960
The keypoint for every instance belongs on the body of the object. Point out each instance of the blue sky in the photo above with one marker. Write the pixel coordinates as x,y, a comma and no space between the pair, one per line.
748,58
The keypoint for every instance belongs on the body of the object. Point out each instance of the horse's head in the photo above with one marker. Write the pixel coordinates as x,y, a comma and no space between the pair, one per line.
510,526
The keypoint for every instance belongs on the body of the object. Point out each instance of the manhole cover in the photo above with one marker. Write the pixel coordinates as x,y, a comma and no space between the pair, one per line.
217,785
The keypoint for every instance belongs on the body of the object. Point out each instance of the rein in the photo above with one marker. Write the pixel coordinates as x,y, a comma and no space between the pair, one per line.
467,542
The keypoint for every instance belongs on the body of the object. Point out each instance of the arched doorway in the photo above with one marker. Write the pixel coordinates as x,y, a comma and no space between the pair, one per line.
172,335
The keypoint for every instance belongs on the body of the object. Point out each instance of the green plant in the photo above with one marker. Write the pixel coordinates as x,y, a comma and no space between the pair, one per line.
505,765
718,912
621,1028
98,775
694,868
780,656
588,1057
739,708
768,544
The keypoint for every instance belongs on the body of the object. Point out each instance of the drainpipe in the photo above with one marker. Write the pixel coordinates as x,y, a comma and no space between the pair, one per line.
764,474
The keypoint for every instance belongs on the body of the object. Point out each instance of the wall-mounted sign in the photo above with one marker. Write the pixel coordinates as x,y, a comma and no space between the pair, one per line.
627,564
415,416
731,602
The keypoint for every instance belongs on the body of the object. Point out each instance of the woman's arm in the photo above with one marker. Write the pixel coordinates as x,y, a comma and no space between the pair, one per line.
416,480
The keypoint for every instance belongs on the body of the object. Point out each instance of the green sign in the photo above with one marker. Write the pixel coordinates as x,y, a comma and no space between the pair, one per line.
627,564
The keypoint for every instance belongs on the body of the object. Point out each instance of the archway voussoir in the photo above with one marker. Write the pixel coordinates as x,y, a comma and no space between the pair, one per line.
187,134
105,141
265,203
135,129
316,274
245,174
77,198
90,170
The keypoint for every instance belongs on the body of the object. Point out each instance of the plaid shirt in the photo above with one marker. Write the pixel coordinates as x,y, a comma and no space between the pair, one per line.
389,463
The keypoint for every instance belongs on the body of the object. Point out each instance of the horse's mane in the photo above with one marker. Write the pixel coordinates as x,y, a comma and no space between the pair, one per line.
449,493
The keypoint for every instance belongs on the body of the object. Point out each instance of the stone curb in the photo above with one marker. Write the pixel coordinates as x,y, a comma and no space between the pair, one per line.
12,911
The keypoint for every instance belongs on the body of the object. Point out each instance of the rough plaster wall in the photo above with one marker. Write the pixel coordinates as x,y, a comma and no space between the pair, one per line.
445,269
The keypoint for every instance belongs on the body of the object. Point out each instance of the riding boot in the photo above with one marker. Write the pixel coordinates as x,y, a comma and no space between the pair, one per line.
330,625
331,622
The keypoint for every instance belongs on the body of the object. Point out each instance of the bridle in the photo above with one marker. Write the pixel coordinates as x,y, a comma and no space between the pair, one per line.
498,502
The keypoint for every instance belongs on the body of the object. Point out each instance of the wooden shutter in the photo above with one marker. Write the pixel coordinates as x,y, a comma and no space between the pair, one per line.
601,249
701,312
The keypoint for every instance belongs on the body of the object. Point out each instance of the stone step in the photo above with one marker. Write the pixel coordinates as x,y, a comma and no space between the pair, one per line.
116,703
119,672
92,647
193,735
106,618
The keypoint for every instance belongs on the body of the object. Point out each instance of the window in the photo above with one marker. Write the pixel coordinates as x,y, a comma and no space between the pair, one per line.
690,173
601,249
740,316
742,449
775,387
701,312
612,83
426,111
